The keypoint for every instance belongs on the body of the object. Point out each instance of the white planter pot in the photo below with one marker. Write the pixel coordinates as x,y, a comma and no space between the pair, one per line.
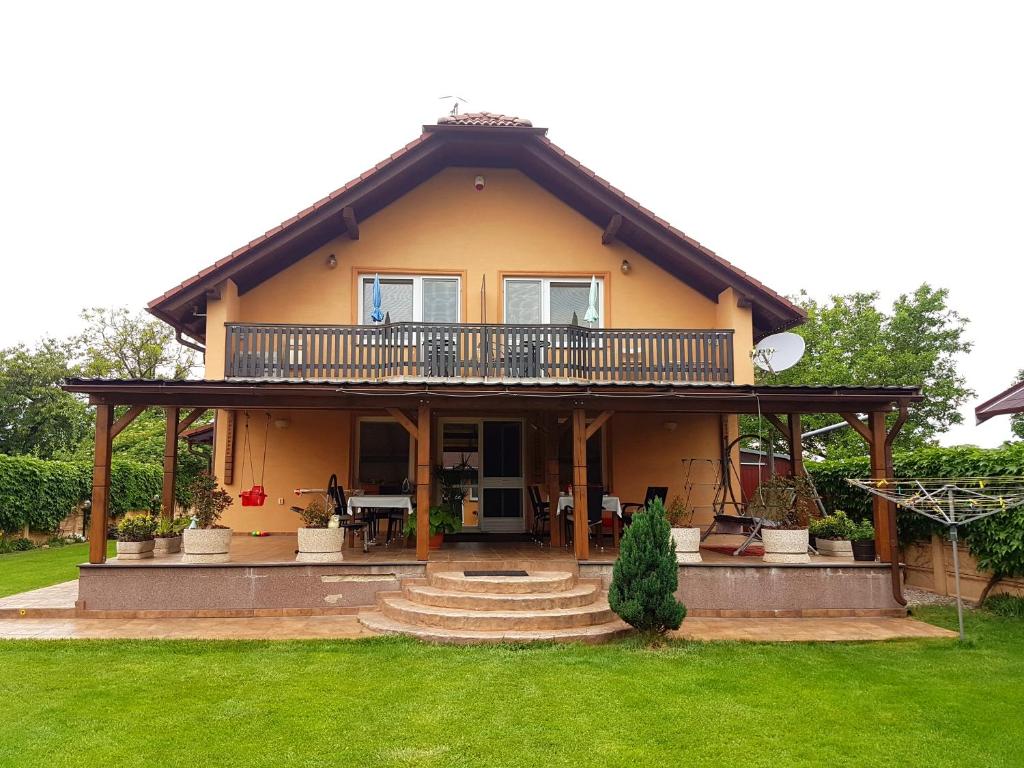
166,545
320,545
834,547
785,546
206,545
687,544
134,550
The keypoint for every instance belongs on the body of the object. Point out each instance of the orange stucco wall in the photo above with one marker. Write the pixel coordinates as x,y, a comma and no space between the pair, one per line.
445,226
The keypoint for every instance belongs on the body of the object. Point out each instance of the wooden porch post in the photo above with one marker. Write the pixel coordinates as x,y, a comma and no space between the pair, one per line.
796,445
423,482
579,483
881,468
170,461
551,470
100,484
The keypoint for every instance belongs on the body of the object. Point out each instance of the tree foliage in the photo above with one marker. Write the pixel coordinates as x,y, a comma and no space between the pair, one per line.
119,344
646,575
1017,420
851,342
37,417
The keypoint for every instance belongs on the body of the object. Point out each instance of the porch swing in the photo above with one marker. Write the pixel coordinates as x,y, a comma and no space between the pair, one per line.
256,495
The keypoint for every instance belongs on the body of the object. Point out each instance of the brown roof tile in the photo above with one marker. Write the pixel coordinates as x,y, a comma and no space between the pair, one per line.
485,120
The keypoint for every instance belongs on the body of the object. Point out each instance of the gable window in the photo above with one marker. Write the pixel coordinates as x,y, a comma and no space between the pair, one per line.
551,300
412,298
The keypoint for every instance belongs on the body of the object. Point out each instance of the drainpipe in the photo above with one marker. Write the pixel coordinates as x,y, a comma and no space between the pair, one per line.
190,344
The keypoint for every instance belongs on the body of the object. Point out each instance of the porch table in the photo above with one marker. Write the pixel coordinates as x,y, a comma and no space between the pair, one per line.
378,501
609,503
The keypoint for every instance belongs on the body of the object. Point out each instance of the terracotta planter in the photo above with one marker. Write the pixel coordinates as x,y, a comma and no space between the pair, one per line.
834,547
687,541
206,545
320,545
864,551
134,550
785,546
436,540
166,545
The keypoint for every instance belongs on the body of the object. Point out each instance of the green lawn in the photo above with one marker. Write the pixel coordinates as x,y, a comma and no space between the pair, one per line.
393,702
21,571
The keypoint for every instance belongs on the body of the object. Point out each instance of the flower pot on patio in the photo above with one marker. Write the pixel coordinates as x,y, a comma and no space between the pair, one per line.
785,545
166,545
206,545
436,540
687,541
864,551
834,547
134,550
320,545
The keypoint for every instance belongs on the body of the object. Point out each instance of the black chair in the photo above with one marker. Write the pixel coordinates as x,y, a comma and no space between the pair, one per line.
351,525
595,513
541,512
395,517
653,492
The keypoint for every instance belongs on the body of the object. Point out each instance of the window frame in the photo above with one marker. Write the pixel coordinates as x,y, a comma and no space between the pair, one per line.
417,293
545,306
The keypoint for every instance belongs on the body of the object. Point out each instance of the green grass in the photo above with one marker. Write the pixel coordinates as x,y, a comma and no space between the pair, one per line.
394,702
21,571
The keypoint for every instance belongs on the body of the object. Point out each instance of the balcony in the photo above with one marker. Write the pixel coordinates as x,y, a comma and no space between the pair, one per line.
476,351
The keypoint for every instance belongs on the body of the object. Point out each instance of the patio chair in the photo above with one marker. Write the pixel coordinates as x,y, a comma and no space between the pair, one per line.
395,517
351,524
653,492
541,512
595,514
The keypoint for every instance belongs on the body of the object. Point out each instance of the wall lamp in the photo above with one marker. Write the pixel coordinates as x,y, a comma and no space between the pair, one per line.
626,267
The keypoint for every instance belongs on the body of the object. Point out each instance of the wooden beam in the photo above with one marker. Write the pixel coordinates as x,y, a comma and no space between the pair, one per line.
612,229
423,475
894,430
170,462
348,218
229,448
859,426
776,422
884,511
597,423
579,484
405,421
100,484
796,446
132,414
551,435
189,420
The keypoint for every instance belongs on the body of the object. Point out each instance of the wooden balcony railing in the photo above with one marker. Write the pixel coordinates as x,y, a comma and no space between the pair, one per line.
473,350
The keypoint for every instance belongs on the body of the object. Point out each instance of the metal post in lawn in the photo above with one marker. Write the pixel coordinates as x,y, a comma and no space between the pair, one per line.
956,576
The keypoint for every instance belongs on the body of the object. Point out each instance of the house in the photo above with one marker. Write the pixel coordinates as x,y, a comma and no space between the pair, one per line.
478,294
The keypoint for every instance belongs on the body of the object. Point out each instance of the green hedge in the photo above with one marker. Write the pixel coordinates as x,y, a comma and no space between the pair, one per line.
830,479
41,493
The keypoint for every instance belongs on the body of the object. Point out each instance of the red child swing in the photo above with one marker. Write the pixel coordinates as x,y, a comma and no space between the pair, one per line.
255,496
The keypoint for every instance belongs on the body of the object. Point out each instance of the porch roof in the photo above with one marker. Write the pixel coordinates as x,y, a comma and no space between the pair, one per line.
469,394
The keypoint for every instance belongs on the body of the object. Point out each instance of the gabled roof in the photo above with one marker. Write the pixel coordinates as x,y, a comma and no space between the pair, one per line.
1008,401
476,140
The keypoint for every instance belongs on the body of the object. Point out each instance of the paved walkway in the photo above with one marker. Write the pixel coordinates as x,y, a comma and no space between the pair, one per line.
58,596
347,627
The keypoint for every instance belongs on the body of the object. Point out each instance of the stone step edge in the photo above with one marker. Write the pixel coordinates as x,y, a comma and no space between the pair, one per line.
409,612
538,581
579,596
591,634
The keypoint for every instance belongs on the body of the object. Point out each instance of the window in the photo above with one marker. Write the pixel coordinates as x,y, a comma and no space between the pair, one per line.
383,453
412,298
554,300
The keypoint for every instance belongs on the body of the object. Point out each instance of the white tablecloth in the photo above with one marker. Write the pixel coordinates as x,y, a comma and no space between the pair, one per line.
609,503
373,501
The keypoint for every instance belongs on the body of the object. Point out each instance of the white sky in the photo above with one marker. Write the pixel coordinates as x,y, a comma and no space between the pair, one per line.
815,145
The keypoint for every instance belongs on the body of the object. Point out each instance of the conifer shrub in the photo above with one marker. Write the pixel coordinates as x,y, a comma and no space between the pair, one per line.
646,575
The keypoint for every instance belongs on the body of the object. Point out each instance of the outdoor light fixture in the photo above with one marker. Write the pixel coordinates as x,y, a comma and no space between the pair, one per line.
281,423
670,426
626,267
479,183
332,261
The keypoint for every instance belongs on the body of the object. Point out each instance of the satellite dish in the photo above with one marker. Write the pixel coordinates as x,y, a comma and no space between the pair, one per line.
778,352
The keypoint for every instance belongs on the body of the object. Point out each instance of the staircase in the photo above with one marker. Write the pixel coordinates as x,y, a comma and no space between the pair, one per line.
451,607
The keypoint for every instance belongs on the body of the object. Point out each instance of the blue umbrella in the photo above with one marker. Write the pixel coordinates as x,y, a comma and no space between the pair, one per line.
376,315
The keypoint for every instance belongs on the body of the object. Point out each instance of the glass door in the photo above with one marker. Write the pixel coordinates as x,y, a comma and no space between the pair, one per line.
501,477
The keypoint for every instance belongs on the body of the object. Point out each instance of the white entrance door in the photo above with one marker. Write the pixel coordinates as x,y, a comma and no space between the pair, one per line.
501,477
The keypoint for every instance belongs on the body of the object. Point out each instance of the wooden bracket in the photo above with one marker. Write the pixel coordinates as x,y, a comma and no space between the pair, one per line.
348,218
859,426
405,421
131,415
598,422
776,422
612,229
897,425
189,420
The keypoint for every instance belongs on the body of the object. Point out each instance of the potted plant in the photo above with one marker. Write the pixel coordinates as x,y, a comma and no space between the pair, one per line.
452,483
207,542
317,542
862,537
168,535
442,521
786,506
685,536
135,537
832,534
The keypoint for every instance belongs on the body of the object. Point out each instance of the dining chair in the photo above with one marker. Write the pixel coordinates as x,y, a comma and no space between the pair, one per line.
541,512
653,492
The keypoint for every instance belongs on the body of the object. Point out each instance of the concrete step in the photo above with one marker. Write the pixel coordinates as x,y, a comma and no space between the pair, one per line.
579,595
594,633
409,612
536,581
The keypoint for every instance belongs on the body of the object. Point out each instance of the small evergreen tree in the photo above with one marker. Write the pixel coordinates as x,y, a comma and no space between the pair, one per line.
646,575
